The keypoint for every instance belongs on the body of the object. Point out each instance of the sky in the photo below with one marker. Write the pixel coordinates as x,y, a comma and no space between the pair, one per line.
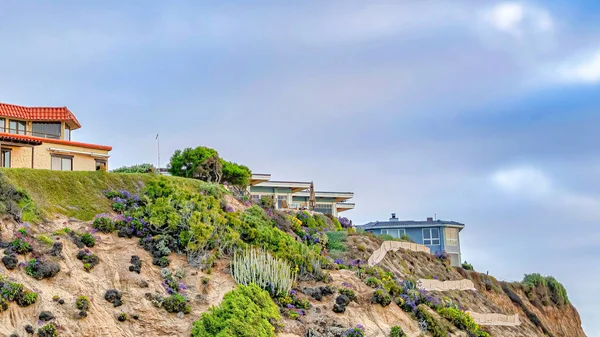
482,112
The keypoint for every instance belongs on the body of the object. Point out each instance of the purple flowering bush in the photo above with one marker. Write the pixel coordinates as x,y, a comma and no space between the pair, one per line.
358,331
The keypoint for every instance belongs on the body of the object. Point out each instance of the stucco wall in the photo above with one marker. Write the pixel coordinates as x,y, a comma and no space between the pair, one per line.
21,157
416,234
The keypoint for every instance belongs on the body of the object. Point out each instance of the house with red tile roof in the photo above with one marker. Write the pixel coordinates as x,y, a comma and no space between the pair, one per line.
41,138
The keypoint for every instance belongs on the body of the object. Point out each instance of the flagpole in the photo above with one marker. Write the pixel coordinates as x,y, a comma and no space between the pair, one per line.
158,152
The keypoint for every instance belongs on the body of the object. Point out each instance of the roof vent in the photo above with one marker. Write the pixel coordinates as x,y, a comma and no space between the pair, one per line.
429,219
393,218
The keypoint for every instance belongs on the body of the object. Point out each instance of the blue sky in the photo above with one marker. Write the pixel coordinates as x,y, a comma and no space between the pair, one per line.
482,112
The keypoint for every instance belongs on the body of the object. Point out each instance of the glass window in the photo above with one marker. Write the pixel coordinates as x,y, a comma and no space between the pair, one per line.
431,236
46,130
2,122
5,158
67,133
395,233
452,236
62,163
100,164
17,127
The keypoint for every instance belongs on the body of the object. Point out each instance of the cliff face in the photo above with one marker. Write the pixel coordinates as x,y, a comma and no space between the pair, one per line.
538,315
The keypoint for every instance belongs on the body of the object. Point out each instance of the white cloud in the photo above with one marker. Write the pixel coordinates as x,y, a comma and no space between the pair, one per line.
522,180
585,71
518,19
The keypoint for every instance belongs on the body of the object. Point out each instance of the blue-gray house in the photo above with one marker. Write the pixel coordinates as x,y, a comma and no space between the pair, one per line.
438,235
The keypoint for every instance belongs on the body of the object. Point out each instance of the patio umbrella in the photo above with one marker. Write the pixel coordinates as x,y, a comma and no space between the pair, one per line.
312,201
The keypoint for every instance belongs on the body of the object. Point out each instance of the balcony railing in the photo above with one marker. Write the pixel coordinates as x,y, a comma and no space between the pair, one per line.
30,133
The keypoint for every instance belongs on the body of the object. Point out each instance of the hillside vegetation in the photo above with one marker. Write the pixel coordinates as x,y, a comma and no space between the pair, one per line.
147,255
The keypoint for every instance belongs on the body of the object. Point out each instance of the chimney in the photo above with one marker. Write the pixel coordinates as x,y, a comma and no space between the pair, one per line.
393,218
429,219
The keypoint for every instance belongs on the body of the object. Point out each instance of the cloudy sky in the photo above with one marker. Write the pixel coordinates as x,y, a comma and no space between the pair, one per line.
481,112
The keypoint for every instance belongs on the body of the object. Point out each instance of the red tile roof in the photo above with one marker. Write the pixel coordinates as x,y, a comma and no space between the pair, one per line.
62,114
38,140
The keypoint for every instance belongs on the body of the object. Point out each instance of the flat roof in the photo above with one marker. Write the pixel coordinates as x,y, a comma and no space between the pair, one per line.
411,223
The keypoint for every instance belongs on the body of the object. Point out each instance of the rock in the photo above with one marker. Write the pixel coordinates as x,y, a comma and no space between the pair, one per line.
339,309
143,284
319,292
46,316
337,331
56,249
61,301
180,315
29,329
342,300
312,333
10,262
113,296
14,335
81,314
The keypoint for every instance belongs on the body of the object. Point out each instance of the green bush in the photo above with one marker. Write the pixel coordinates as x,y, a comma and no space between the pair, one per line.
382,297
48,330
348,292
433,325
139,168
373,282
245,311
545,286
82,303
259,267
88,240
459,318
20,246
467,266
397,331
336,240
45,239
104,224
29,298
176,303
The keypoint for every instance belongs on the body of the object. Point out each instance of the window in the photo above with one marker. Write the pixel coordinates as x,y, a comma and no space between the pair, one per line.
431,236
46,130
395,233
100,164
67,133
5,158
2,122
255,197
452,236
62,163
17,127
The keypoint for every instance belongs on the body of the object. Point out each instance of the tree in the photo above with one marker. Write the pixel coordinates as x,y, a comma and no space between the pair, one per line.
199,163
236,174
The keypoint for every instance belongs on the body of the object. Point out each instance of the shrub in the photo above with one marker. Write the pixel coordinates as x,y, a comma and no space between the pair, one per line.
139,168
397,331
382,297
459,318
113,296
88,240
259,267
348,292
20,246
82,303
345,222
266,202
48,330
176,303
433,326
122,317
45,239
27,299
104,224
10,261
41,269
467,266
358,331
405,237
89,260
373,282
336,240
245,311
544,286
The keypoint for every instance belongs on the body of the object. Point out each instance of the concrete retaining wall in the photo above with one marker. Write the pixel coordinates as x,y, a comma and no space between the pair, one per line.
495,319
437,285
